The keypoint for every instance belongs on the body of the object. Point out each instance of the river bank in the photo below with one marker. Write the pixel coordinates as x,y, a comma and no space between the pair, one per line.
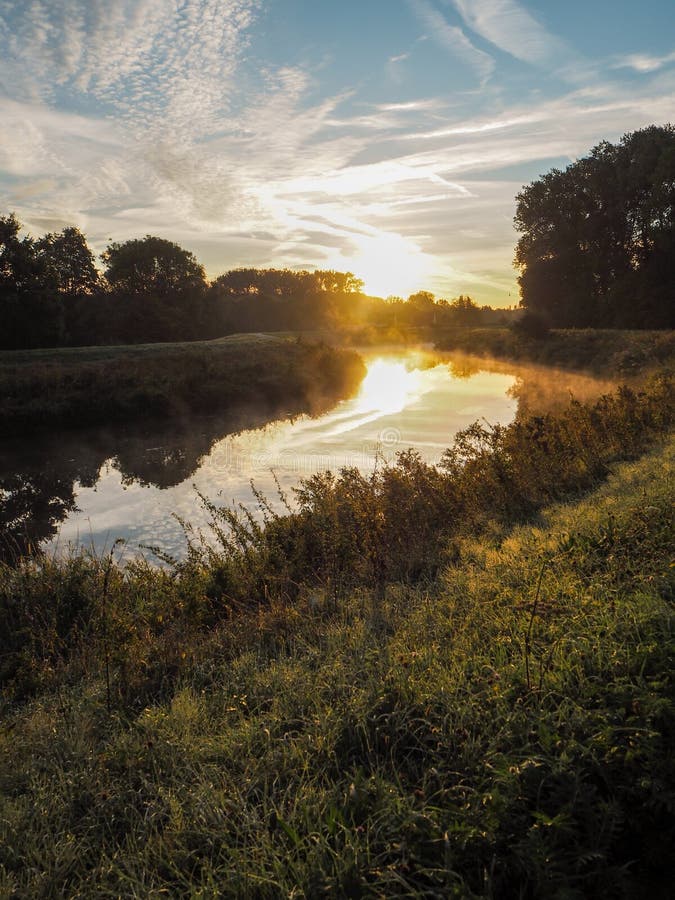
505,729
447,680
91,386
607,352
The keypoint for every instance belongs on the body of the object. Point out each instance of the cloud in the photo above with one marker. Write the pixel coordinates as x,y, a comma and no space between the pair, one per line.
411,105
509,26
643,63
453,39
154,63
145,116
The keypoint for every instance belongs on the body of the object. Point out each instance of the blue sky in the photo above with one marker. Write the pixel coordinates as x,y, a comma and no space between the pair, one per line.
384,137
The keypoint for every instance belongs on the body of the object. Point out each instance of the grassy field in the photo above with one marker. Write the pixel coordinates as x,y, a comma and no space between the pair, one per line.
98,385
452,682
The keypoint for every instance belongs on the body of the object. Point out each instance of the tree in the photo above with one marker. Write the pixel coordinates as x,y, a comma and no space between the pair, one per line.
30,316
152,266
463,310
421,308
597,243
273,299
68,261
19,267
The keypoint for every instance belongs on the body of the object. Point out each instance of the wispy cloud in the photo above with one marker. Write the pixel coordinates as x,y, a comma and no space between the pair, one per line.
453,38
146,116
643,63
509,26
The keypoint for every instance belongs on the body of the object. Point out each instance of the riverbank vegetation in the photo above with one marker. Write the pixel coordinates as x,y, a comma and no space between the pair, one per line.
395,689
100,386
606,352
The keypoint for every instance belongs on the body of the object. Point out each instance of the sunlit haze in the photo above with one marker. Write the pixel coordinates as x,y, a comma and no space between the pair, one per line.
384,137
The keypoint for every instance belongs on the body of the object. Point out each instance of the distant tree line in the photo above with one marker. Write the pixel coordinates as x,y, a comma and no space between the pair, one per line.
597,245
597,249
51,294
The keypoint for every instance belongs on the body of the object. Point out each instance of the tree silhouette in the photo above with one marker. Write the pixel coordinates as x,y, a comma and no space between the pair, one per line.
597,243
29,315
152,266
68,262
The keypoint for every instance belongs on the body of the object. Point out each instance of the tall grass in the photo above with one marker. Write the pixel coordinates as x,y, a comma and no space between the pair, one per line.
422,682
343,534
505,731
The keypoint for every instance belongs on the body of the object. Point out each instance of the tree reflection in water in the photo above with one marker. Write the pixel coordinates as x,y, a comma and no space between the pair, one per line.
39,477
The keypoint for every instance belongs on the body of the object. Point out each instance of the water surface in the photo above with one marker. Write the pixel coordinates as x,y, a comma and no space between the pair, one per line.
90,488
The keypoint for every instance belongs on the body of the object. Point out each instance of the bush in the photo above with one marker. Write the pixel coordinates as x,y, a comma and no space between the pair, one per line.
532,325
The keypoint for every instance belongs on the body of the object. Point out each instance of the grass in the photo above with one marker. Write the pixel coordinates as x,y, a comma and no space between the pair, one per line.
452,682
47,389
604,351
506,732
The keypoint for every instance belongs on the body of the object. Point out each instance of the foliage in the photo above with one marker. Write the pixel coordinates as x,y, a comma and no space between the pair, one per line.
29,314
603,351
68,262
151,266
399,525
532,325
598,239
63,388
507,732
155,291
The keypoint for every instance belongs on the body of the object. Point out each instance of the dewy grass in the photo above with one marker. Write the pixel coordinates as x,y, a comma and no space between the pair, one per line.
499,724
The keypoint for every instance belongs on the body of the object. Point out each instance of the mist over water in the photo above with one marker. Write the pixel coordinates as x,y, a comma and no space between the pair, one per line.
98,487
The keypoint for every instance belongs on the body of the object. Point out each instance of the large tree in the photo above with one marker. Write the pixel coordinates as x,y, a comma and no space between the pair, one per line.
30,314
152,266
19,268
68,261
273,299
597,243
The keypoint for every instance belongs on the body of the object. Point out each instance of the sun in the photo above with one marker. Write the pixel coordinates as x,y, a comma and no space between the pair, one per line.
389,264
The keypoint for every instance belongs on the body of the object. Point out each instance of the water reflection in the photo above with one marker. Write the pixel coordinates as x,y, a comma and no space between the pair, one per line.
389,386
94,486
44,478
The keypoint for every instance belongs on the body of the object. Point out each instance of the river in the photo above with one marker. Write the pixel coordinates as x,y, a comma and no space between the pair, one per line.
87,489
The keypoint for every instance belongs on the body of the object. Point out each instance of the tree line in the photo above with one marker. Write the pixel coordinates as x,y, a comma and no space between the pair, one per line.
151,289
596,249
597,245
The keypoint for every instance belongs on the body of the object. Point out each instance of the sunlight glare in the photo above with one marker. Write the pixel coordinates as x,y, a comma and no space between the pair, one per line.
389,264
388,387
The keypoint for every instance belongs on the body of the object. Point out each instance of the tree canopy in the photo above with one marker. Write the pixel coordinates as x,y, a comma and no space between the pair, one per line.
51,294
151,266
68,262
597,245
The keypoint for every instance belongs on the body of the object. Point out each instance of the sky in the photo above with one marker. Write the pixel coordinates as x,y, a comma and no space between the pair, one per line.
388,138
